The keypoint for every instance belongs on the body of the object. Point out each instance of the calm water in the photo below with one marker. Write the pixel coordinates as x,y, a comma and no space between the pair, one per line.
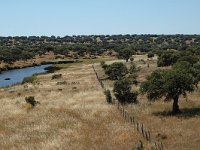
17,75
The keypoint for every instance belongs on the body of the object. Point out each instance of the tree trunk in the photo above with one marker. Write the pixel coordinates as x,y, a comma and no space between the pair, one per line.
175,109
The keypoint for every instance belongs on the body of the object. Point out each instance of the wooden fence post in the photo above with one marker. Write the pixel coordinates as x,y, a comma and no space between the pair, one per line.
161,146
146,135
156,146
137,124
149,136
142,129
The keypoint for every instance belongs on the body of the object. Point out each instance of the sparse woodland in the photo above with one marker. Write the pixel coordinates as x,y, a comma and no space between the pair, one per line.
154,78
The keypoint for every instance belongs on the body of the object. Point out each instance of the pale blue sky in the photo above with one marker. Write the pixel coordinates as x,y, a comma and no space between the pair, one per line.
85,17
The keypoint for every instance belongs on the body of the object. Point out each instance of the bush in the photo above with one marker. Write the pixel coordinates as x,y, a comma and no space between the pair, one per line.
52,69
116,71
122,91
31,100
150,54
108,96
103,65
31,79
56,76
131,59
133,68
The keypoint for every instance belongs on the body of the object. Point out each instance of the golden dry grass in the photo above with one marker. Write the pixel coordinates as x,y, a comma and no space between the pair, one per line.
176,132
71,117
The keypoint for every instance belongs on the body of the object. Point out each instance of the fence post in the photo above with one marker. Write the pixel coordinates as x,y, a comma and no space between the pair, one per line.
142,129
156,146
131,119
127,116
161,145
137,124
134,121
146,135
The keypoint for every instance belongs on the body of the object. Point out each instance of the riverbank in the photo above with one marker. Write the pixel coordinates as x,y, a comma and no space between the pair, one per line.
36,61
7,67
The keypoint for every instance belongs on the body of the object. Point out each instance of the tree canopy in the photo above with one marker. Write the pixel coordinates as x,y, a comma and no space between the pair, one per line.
168,58
126,53
170,84
122,91
116,71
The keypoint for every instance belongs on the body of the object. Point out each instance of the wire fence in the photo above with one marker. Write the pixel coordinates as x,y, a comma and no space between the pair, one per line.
139,127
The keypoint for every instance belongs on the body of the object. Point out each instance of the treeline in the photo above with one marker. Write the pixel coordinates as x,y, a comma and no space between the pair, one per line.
27,47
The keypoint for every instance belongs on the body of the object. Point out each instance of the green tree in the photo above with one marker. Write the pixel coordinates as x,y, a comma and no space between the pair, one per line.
132,76
122,91
126,53
193,70
170,84
191,59
150,54
168,58
196,73
116,71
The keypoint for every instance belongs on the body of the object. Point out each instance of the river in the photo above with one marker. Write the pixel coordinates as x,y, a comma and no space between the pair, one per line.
11,77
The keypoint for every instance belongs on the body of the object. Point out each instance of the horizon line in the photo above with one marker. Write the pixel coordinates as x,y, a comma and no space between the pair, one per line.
101,35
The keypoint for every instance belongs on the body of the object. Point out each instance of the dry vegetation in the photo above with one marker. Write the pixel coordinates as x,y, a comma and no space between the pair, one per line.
180,132
73,115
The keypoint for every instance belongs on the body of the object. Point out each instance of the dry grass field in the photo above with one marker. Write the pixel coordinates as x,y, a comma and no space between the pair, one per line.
71,116
75,115
180,132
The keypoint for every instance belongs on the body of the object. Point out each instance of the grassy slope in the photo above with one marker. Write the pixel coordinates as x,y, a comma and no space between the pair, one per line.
73,116
176,132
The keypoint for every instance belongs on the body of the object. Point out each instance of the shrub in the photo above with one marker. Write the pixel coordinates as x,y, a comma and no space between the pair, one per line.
150,54
52,69
31,100
56,76
131,59
108,96
116,71
103,65
122,91
133,68
31,79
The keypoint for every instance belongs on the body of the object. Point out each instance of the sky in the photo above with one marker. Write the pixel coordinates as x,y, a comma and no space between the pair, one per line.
89,17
